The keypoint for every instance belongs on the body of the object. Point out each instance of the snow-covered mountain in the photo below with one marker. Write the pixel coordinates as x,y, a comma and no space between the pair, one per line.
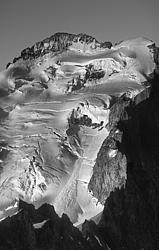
63,103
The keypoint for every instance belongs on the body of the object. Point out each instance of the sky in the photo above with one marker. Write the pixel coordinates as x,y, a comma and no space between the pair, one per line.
24,22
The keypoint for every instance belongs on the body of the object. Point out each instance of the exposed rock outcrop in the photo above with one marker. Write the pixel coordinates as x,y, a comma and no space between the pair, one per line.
59,42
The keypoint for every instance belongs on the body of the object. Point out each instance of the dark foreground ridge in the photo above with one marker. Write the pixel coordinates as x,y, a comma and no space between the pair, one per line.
23,231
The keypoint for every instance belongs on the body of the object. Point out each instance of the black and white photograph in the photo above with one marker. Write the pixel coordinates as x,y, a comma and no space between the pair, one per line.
79,125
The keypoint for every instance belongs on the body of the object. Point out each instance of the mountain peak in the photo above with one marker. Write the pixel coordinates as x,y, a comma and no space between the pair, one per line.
56,43
79,136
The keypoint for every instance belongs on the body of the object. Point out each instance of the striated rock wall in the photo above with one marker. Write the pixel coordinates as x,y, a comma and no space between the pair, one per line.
110,169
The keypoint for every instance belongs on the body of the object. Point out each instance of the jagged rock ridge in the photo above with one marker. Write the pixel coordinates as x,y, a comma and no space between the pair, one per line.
58,42
43,229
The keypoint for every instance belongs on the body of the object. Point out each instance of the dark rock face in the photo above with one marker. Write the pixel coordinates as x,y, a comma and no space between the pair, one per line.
110,173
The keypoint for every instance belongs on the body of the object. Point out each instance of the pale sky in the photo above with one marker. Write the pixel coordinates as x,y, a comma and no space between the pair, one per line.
24,22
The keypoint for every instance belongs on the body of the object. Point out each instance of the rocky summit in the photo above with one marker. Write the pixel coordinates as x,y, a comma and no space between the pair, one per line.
79,146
